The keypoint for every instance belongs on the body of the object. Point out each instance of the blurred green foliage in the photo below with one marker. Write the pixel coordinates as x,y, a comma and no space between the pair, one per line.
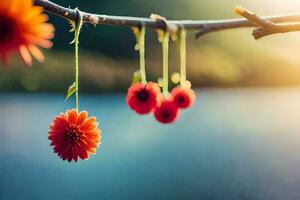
108,60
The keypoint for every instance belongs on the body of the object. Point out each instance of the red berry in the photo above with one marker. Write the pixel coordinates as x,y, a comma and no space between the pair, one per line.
183,97
143,98
167,112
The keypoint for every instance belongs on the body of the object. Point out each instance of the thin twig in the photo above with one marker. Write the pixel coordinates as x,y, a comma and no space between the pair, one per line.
265,27
262,32
252,17
201,26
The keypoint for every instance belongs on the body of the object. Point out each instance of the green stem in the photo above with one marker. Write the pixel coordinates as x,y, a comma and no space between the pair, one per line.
78,26
182,57
165,49
142,55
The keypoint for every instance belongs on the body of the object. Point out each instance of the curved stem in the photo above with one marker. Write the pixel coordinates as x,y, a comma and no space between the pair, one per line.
165,50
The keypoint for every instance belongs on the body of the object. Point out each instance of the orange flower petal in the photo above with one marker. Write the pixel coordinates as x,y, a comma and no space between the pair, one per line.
35,12
81,118
36,52
72,114
25,55
26,28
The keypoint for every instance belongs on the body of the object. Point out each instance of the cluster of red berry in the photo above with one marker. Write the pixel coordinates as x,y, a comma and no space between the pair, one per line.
144,99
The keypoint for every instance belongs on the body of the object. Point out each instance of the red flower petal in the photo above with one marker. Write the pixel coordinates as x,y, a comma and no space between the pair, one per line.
167,112
143,98
183,97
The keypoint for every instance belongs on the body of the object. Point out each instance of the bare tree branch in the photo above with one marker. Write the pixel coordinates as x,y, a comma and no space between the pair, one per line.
201,26
252,17
265,26
262,32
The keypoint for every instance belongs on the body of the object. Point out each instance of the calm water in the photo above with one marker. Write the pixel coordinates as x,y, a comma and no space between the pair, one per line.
234,144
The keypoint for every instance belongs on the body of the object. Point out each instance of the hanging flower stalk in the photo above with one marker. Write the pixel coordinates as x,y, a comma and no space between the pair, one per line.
182,42
142,96
73,134
141,44
183,95
167,112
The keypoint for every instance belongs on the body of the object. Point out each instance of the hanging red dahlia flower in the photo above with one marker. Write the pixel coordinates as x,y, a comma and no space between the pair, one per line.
167,112
23,28
74,135
183,97
143,98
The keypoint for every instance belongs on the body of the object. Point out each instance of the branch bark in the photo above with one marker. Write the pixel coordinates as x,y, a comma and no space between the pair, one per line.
201,26
265,26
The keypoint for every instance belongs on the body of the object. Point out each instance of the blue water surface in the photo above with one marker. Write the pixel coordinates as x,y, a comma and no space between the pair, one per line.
233,144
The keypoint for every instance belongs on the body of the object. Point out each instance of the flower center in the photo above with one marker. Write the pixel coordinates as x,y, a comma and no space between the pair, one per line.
7,29
181,99
72,135
166,114
143,95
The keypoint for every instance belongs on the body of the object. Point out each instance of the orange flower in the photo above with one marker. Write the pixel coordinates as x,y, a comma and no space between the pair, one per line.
74,135
23,29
